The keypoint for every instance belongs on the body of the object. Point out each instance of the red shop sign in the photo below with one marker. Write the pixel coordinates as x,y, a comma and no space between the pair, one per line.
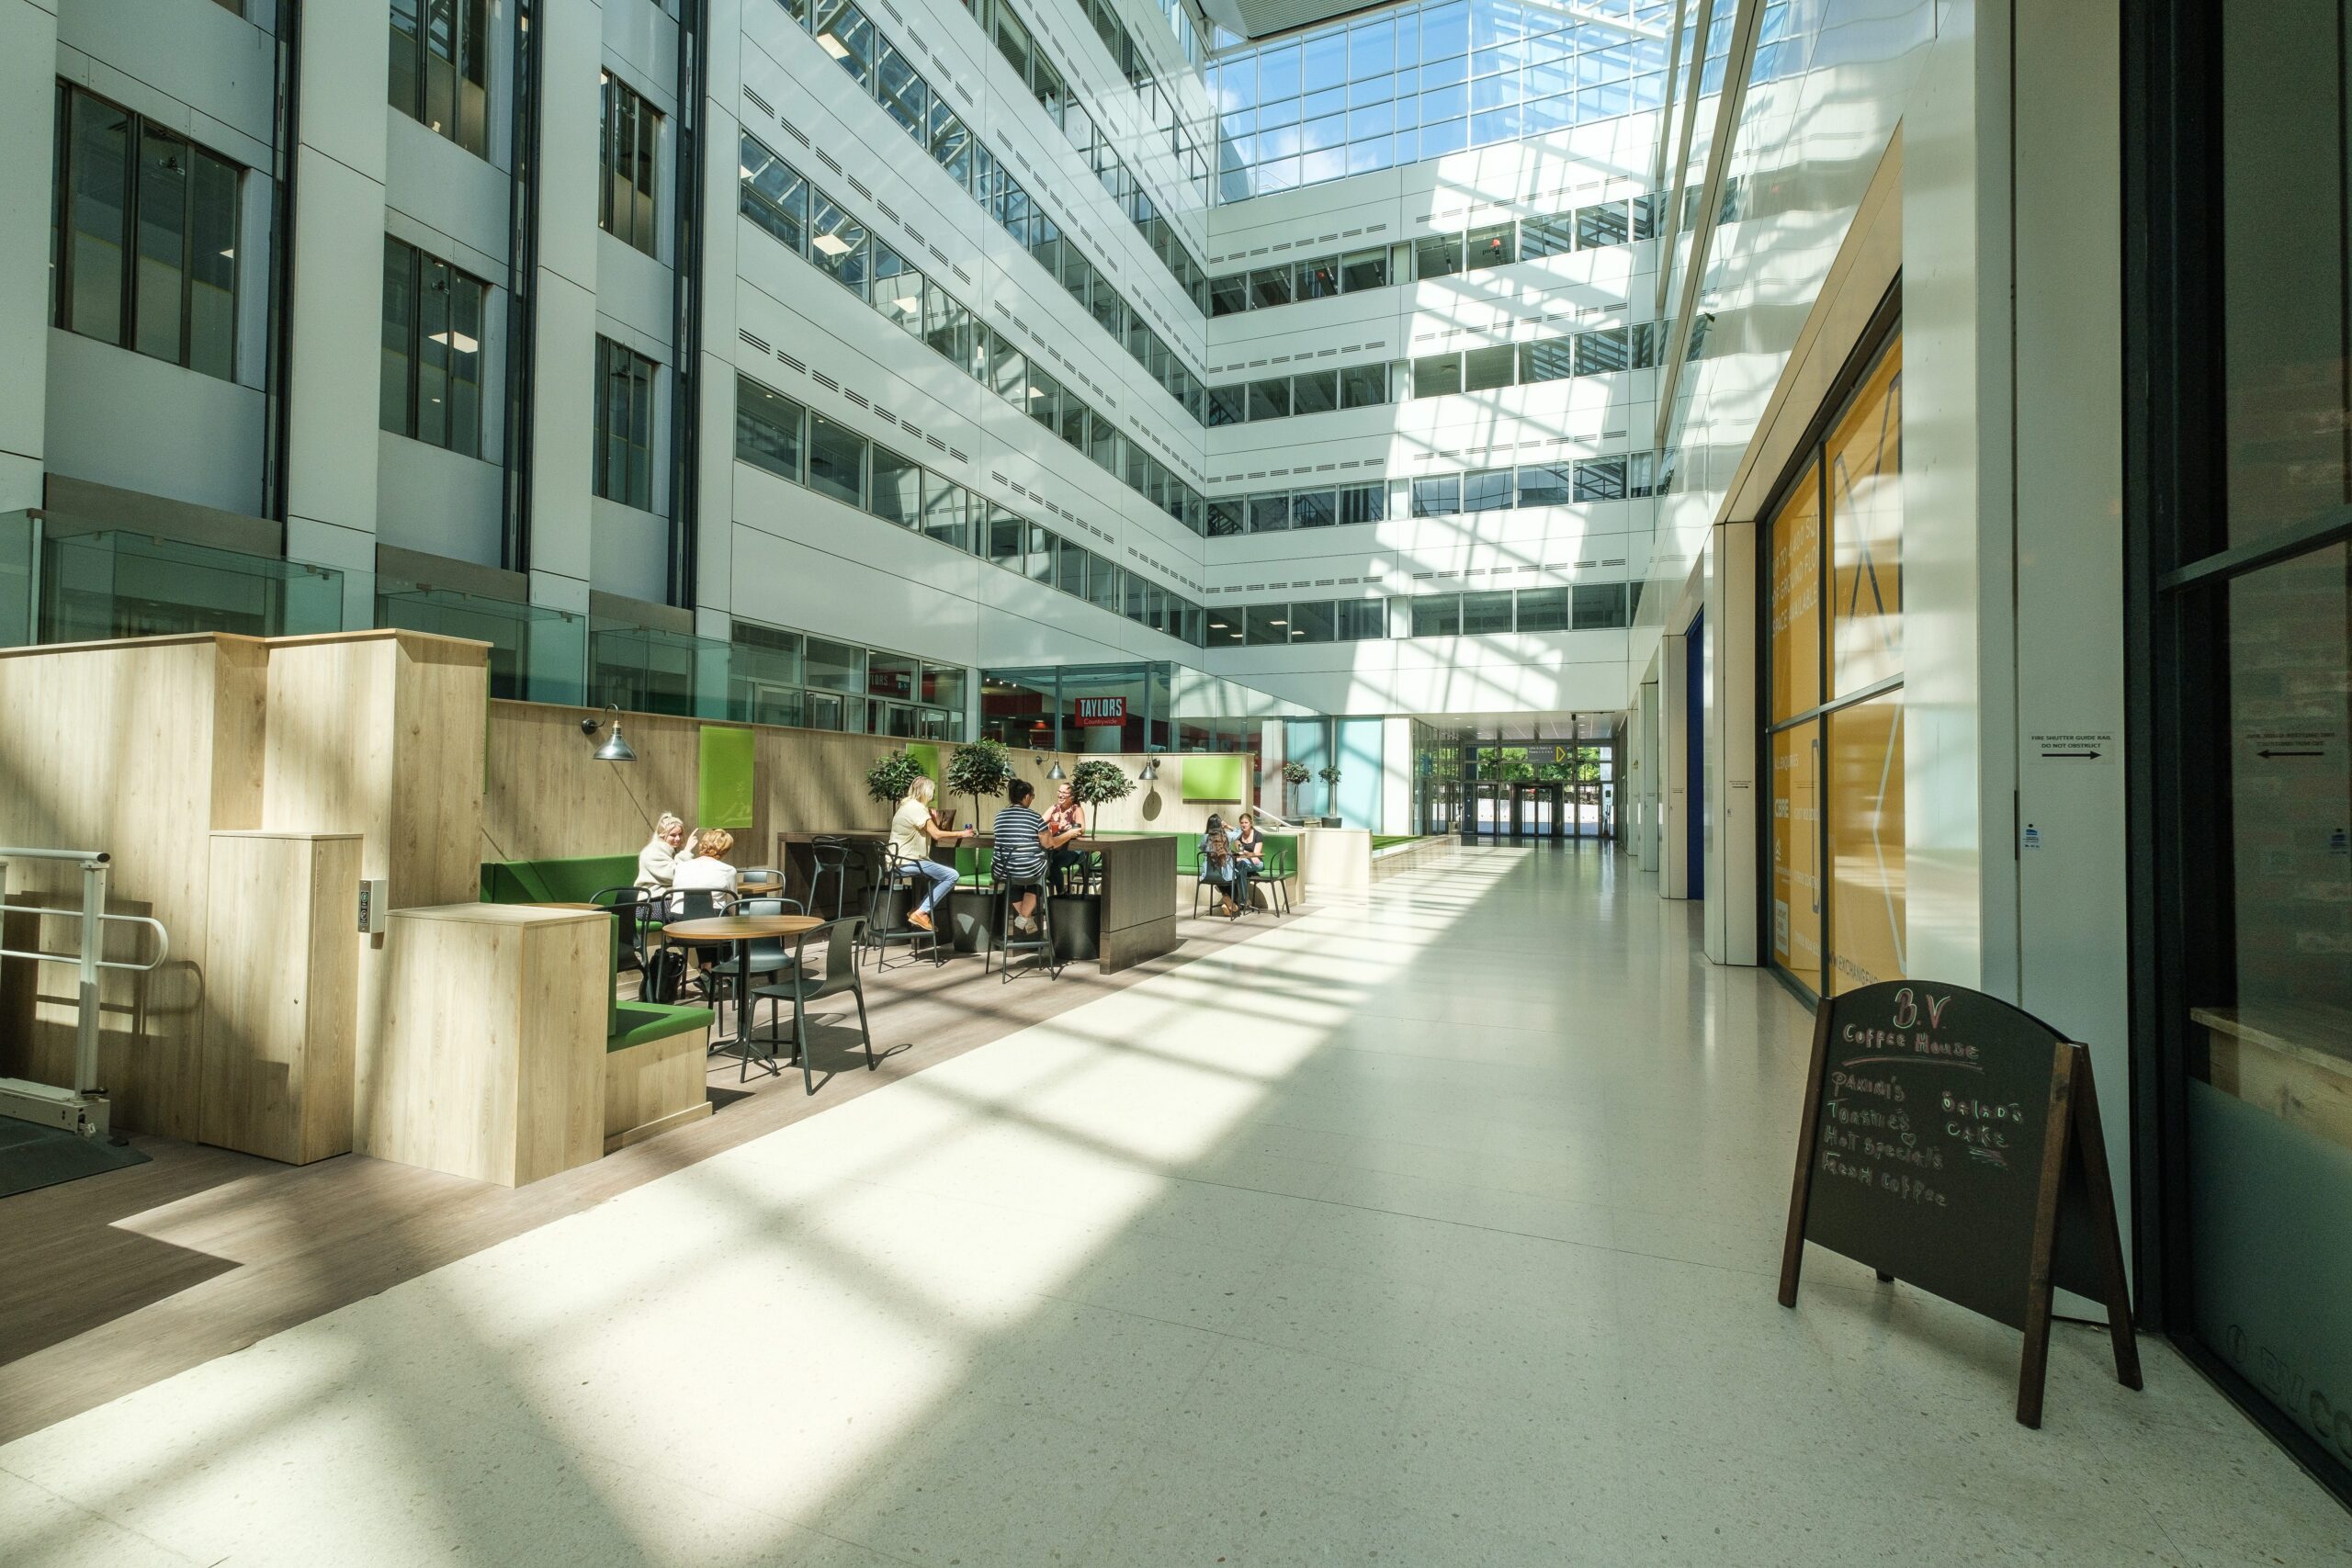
1096,713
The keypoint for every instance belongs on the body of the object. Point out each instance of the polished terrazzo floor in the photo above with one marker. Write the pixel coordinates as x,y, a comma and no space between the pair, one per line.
1438,1228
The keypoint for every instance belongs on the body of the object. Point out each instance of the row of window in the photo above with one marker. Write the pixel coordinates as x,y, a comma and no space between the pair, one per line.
774,433
782,201
144,237
1423,81
1094,145
1590,227
1277,512
1636,475
1306,391
859,48
1597,606
778,676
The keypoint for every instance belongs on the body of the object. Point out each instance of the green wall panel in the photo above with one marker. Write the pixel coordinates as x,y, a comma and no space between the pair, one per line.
1217,780
725,791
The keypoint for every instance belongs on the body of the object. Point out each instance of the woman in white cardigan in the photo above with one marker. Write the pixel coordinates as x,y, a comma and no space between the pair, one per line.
659,860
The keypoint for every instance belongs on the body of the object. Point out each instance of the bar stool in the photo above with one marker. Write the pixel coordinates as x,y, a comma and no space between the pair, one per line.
831,854
1006,943
899,873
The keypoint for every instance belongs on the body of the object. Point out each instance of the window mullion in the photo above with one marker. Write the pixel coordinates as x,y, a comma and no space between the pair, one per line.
134,136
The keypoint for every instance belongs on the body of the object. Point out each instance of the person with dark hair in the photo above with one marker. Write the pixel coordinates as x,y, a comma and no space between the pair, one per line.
1221,864
1019,846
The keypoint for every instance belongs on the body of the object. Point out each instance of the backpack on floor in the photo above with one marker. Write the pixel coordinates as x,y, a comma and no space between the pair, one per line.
665,976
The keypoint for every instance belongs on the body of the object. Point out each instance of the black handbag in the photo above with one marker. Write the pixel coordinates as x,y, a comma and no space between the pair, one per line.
665,976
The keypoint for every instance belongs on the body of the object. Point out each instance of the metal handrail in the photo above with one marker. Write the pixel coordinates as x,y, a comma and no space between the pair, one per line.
84,1107
163,937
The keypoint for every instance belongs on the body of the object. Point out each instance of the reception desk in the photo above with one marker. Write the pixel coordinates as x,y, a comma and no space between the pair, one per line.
1133,917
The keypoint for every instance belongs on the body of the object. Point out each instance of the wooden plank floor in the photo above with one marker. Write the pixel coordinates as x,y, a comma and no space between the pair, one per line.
115,1281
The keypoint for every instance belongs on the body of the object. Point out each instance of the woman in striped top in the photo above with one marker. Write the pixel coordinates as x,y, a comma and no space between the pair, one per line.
1020,852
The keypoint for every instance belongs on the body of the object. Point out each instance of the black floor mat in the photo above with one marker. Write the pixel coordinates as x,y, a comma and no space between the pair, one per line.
33,1156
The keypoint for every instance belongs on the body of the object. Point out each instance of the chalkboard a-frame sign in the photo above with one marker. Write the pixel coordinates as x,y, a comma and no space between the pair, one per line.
1952,1142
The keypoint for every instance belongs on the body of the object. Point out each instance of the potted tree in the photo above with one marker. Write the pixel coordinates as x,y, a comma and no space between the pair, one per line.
1331,777
1294,776
892,774
1097,782
979,769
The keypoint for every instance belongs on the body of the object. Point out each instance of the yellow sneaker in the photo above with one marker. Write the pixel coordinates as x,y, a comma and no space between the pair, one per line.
919,921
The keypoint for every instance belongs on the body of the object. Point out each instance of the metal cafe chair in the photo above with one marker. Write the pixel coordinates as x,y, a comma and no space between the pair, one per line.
840,979
1006,943
899,874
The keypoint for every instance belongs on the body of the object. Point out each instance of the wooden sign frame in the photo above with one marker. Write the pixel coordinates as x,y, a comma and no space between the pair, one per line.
2074,1155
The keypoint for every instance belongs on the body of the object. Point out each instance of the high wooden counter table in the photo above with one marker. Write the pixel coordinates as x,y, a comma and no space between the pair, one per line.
1137,915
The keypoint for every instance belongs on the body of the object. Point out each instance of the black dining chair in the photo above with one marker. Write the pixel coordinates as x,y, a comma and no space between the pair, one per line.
828,854
839,979
639,917
900,875
1007,942
702,904
769,955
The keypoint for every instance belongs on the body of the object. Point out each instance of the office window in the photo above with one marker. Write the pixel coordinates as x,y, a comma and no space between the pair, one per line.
1227,516
895,490
1320,278
1543,609
1224,628
1005,535
1488,489
1491,246
1038,559
1599,606
1359,620
1269,286
1314,622
1438,255
896,289
1484,370
1363,503
837,243
1438,497
624,453
836,460
1437,614
774,196
631,129
904,96
1599,353
1270,514
1069,566
126,188
1270,399
1314,509
768,429
1437,375
1646,212
1545,484
431,370
1601,478
843,31
1363,386
1603,223
1552,359
1484,613
1365,269
1227,405
1101,583
1267,626
1229,296
1315,391
440,68
1550,236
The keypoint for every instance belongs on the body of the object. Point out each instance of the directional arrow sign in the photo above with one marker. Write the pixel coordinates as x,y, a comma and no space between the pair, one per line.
2073,746
2078,756
2267,753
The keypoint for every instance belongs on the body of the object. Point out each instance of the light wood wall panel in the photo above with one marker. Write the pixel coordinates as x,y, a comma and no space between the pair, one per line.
282,989
491,1063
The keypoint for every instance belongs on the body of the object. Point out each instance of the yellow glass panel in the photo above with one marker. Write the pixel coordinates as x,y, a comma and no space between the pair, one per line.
1866,933
1864,454
1796,851
1792,599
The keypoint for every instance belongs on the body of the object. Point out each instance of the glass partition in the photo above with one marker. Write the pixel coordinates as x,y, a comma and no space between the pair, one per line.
116,584
19,569
536,653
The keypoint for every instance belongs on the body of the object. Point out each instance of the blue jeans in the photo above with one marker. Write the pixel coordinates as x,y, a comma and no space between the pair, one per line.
942,877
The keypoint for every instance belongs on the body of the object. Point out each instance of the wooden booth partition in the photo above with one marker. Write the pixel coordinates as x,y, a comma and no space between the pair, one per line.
147,748
548,798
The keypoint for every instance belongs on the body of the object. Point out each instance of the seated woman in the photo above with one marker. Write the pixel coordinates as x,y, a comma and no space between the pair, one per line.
662,854
1020,852
707,870
1222,866
1249,846
1065,825
913,831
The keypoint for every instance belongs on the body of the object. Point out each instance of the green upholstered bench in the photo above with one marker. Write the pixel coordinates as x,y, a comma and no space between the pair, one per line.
656,1056
572,881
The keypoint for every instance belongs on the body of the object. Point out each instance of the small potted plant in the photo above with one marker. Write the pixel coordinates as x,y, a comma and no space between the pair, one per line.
892,774
1294,776
1097,782
1331,777
980,769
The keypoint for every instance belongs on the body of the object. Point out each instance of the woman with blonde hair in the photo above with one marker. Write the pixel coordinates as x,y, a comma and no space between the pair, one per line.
659,860
913,831
708,871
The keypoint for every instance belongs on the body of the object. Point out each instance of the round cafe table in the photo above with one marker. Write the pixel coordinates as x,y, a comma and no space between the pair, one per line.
741,930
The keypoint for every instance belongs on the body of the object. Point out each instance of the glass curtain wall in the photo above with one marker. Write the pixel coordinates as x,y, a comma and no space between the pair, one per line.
2240,532
1833,661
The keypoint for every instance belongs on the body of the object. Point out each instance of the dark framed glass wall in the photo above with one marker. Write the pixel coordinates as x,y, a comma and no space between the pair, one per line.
1830,547
2238,513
